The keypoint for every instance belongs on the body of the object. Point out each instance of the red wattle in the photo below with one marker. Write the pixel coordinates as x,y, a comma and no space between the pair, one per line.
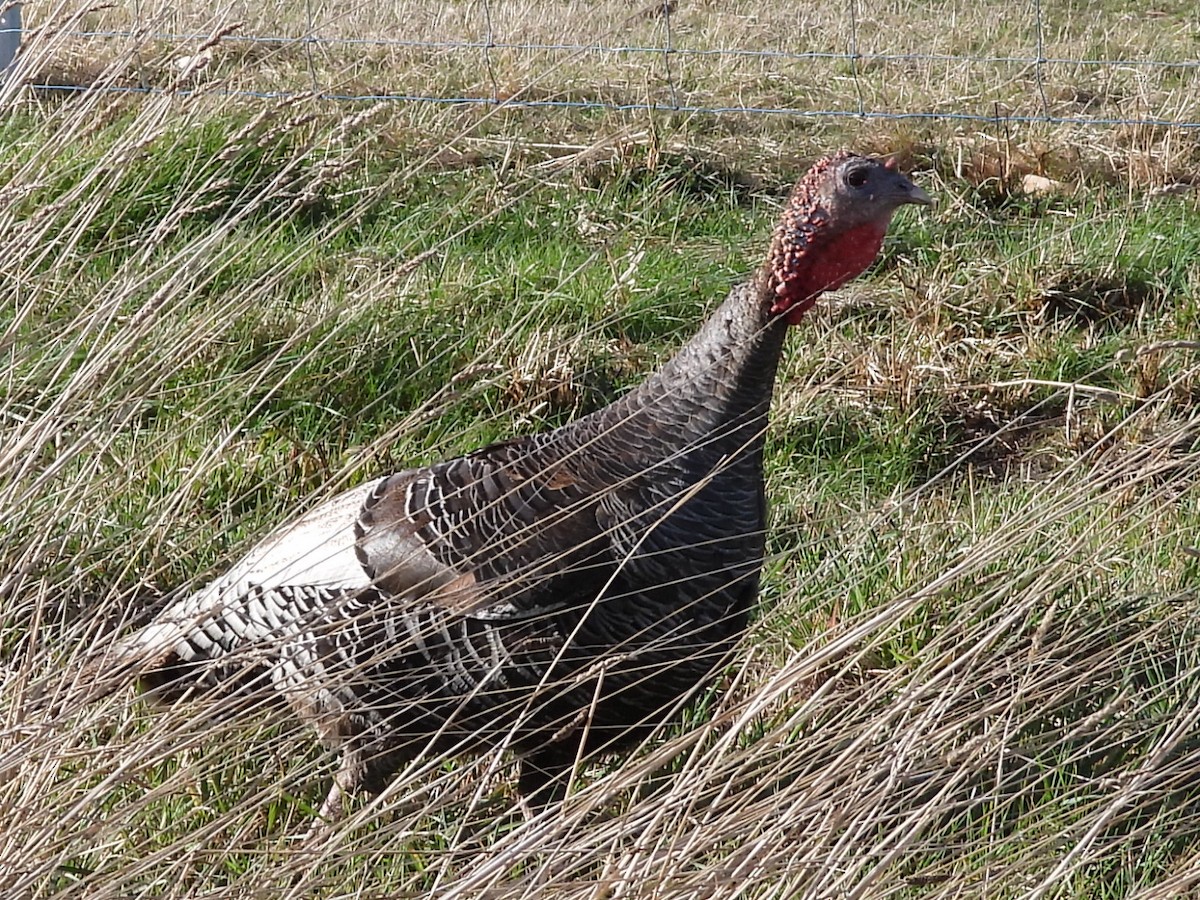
796,313
826,266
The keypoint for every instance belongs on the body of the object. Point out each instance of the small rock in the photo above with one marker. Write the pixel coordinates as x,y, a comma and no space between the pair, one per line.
190,66
1041,186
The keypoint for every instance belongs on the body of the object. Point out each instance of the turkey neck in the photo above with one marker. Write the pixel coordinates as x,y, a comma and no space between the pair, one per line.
711,399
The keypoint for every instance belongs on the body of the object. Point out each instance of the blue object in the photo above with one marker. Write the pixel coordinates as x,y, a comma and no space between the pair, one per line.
10,35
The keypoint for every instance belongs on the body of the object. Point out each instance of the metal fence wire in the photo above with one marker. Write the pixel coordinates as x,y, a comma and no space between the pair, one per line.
902,60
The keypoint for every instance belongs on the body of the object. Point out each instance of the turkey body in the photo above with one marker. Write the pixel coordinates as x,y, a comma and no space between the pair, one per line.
558,594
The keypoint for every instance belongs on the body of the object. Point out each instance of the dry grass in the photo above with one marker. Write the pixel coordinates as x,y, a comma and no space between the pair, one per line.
947,58
974,671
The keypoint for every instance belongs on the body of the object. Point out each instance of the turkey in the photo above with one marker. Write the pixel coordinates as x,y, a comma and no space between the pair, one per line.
559,595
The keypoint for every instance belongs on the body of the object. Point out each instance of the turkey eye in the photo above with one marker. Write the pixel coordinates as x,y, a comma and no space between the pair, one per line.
856,177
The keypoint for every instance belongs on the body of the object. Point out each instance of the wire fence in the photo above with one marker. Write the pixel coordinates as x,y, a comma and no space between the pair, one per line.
834,61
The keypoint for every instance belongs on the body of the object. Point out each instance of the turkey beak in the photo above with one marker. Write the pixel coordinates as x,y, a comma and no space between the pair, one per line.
910,193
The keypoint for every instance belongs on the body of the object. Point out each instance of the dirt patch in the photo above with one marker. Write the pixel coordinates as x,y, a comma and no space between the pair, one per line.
672,172
999,438
1086,299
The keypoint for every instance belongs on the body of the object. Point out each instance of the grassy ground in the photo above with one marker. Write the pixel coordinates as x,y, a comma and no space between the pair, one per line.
974,670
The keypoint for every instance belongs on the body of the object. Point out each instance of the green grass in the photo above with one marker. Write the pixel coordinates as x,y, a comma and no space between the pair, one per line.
973,667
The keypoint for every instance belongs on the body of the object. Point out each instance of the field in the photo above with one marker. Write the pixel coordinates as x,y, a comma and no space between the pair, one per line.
975,668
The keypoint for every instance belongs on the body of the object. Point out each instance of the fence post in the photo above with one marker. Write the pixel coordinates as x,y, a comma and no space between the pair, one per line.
10,35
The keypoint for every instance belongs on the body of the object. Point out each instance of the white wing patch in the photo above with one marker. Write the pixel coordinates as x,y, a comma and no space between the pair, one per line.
314,551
